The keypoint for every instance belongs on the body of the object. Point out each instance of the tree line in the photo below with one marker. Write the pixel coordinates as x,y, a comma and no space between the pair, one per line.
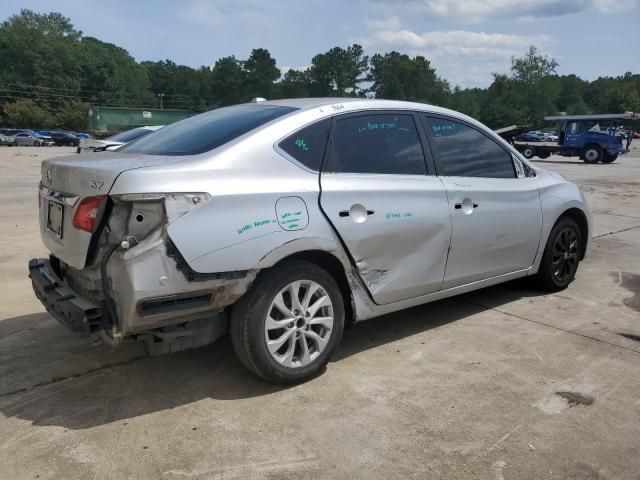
50,73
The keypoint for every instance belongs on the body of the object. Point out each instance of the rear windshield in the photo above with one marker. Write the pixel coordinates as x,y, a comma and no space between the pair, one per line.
130,135
206,131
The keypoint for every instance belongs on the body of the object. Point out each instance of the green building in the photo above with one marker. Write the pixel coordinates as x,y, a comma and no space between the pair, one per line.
116,119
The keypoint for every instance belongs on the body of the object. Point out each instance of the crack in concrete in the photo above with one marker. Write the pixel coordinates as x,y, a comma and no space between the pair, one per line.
67,377
613,233
556,328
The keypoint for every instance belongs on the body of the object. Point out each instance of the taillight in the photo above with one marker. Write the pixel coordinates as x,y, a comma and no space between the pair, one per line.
87,213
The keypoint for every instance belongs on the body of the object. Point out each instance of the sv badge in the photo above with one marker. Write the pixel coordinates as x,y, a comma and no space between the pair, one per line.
97,185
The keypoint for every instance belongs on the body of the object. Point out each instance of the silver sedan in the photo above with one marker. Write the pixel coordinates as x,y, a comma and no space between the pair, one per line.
28,139
282,221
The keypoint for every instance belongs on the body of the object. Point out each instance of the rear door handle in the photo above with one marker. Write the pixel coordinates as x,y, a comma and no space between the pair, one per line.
345,213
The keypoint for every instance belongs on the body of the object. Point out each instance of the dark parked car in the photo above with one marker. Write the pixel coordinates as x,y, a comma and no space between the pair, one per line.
61,138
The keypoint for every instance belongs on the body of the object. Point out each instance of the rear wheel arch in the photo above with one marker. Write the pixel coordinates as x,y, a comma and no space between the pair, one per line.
332,265
581,219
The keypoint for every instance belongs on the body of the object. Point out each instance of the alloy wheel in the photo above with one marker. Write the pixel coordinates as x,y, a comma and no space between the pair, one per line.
299,323
564,255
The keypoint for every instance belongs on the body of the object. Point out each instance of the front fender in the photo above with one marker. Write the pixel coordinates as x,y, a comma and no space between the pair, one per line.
557,196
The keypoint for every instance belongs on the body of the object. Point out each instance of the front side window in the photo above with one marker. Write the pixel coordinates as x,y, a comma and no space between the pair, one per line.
377,143
465,152
307,145
204,132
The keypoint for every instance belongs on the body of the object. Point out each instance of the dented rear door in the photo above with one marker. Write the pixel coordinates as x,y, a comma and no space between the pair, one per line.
390,211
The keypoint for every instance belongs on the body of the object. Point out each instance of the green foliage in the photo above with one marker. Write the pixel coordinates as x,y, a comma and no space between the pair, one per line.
25,113
73,116
228,81
51,73
397,76
338,72
295,84
260,74
619,94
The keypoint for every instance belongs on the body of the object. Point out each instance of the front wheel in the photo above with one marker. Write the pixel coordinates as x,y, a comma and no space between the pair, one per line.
561,256
592,154
288,324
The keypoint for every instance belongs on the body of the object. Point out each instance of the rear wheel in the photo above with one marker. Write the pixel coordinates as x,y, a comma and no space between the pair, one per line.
528,152
609,157
543,154
288,324
592,154
561,256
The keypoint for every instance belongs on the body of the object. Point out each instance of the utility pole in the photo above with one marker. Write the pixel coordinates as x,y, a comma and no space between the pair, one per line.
161,97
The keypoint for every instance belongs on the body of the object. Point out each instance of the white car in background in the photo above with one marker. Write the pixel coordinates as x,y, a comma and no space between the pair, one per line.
111,143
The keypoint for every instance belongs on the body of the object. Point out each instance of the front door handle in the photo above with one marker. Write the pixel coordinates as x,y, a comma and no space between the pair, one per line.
466,205
457,205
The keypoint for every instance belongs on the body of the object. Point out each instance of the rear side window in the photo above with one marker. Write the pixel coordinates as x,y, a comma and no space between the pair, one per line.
465,152
307,145
377,143
204,132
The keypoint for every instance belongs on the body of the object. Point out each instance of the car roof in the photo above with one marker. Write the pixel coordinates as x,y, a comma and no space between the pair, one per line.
307,103
351,104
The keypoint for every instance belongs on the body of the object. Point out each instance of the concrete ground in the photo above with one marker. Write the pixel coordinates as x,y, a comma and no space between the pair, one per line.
502,384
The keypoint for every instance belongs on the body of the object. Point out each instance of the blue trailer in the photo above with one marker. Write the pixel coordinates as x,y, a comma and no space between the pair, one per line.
592,138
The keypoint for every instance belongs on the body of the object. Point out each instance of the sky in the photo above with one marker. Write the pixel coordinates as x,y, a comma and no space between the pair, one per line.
466,40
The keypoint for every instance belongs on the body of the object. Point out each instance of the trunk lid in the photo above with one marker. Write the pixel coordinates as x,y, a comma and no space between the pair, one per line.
66,181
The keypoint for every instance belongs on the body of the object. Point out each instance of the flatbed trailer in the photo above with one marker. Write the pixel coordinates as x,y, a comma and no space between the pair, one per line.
580,136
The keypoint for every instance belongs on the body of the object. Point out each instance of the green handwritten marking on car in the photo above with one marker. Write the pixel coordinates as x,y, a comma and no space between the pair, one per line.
290,220
293,225
297,213
300,143
395,215
442,129
381,126
463,185
244,228
256,224
287,214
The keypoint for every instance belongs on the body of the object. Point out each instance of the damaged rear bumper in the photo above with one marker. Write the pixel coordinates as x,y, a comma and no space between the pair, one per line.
71,310
149,286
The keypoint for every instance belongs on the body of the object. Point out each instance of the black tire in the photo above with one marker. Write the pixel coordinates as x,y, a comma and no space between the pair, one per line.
557,269
592,154
542,154
609,157
528,152
248,317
